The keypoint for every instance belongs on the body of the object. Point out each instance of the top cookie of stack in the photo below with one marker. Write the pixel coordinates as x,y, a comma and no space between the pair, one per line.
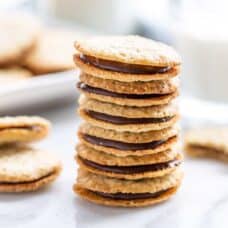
131,71
128,86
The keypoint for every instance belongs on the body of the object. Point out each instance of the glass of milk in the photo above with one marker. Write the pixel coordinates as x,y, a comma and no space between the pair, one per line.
201,37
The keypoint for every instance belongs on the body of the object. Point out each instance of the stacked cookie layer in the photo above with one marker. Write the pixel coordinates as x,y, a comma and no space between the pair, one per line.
128,151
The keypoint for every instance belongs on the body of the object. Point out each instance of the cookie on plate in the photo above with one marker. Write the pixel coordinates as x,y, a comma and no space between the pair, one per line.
19,34
126,193
53,52
23,129
14,74
207,142
24,169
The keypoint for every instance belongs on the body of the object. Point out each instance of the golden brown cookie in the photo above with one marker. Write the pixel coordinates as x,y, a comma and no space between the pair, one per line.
23,129
129,137
25,169
53,52
127,124
19,34
207,142
158,111
137,88
126,99
129,49
14,74
133,172
113,160
126,193
126,149
124,77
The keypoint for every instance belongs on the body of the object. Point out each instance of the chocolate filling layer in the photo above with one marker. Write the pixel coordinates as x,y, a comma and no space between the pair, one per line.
90,89
122,145
130,196
132,169
123,120
122,67
28,128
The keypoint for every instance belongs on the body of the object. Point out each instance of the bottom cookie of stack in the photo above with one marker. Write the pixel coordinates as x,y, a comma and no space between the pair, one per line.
126,193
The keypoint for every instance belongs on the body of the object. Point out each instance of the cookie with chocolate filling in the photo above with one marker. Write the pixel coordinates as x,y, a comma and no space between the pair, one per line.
120,123
126,58
24,169
23,129
138,100
126,193
130,167
208,143
158,111
137,88
120,148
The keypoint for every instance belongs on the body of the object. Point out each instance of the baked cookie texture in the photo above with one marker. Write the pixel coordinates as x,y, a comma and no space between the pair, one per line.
53,51
17,38
23,129
129,49
207,142
128,152
23,168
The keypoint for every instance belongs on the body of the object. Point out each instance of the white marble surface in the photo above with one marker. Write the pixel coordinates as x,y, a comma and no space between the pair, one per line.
201,202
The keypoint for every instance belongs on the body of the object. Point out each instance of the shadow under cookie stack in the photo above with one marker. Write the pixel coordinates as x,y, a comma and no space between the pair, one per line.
128,151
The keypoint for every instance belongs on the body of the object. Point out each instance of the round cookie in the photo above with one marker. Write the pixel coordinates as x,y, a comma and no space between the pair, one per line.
124,77
19,34
158,111
23,129
149,87
131,171
102,158
14,74
53,52
129,49
127,124
25,169
126,149
129,137
126,193
126,99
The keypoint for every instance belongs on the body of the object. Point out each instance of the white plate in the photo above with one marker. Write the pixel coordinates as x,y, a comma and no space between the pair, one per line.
44,89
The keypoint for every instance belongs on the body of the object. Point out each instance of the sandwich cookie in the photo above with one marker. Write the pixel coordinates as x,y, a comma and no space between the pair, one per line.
123,143
53,52
22,129
126,58
208,143
126,193
130,167
24,169
19,34
126,118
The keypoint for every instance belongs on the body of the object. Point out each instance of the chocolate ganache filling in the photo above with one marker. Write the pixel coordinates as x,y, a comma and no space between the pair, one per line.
28,128
122,67
123,145
123,120
132,169
90,89
130,196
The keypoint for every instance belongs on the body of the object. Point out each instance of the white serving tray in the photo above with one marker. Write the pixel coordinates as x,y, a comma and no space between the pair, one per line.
46,89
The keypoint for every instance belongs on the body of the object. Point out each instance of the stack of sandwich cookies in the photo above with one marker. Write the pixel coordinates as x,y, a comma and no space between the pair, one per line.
130,134
24,168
